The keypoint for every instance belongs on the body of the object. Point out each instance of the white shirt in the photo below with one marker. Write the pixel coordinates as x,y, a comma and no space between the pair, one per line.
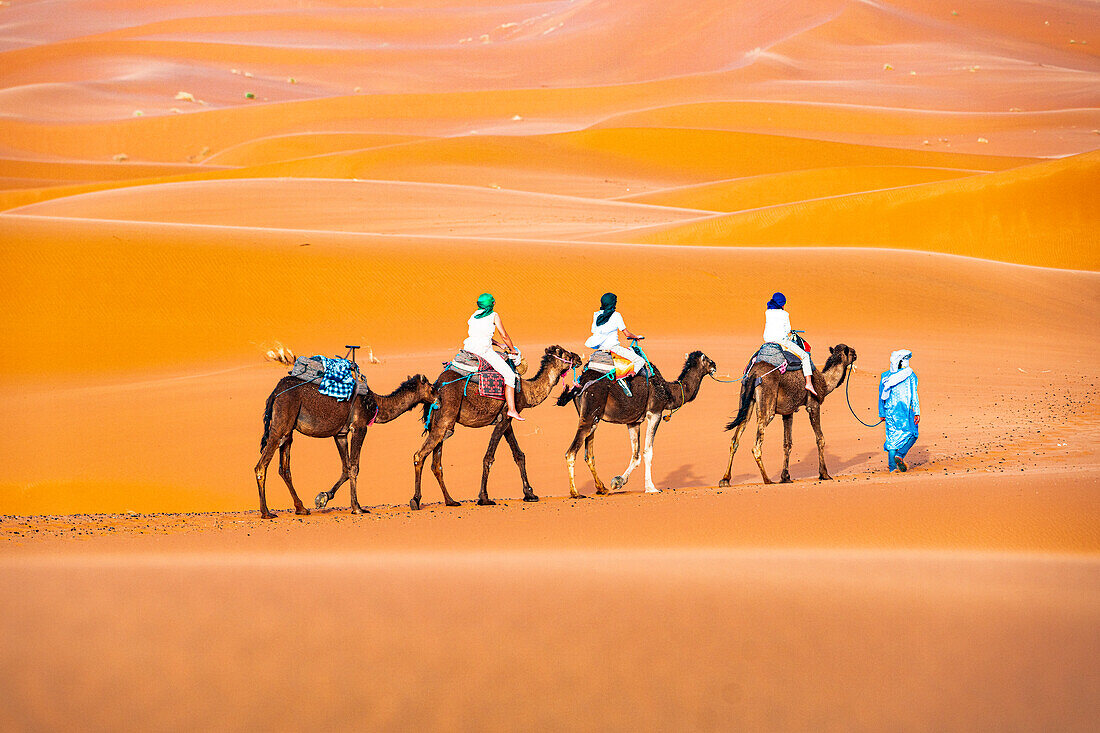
607,335
481,333
777,325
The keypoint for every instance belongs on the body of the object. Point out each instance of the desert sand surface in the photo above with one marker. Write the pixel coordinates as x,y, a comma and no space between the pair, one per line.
185,187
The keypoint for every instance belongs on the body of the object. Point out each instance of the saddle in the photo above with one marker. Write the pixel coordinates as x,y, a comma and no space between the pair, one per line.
607,362
489,381
335,377
773,354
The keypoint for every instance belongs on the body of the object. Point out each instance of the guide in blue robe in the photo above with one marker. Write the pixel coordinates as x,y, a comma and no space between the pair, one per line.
899,407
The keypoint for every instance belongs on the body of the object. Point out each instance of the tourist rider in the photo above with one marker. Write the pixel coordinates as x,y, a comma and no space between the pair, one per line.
899,407
484,325
777,330
606,324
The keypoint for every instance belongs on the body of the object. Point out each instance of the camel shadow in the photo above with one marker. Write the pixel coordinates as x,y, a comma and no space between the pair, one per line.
685,475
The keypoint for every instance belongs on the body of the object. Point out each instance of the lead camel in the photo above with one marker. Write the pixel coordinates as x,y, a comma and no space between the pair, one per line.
782,394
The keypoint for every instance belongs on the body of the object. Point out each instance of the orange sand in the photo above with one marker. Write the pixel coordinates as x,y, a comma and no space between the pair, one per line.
185,185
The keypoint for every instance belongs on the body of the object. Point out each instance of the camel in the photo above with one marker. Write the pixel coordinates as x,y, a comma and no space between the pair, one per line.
295,404
606,400
461,404
783,394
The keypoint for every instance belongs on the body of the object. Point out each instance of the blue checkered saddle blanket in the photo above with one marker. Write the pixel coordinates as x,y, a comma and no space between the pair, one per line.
335,377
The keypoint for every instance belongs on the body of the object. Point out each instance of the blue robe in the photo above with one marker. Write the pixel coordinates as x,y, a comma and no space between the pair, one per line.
898,408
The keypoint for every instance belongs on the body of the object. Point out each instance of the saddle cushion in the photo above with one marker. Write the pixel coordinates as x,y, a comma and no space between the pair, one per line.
308,369
467,361
606,361
601,361
490,383
772,354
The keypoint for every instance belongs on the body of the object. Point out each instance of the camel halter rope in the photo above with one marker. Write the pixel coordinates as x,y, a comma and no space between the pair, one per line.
849,399
683,401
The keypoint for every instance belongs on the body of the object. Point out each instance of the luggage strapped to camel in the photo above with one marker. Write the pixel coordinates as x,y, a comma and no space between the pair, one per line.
616,368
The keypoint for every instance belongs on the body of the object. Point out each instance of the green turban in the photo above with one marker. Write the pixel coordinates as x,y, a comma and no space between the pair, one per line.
485,302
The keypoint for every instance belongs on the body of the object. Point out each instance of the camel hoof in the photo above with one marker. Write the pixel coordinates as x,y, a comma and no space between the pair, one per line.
578,496
826,477
486,502
652,490
617,483
359,510
530,497
724,483
452,502
302,511
322,500
602,491
414,505
785,480
268,515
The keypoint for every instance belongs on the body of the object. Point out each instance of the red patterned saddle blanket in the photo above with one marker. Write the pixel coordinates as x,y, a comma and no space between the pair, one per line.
489,381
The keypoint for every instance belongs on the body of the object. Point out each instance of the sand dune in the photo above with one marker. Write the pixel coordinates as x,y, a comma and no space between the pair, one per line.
977,216
186,185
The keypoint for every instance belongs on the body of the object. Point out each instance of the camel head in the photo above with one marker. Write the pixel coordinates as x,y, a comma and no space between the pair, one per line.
425,391
841,354
699,360
568,358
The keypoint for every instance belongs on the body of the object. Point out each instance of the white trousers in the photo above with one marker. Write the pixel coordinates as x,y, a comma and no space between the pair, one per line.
789,345
497,362
626,353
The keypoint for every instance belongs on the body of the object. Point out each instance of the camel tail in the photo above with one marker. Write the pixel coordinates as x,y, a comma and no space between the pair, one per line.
267,419
748,396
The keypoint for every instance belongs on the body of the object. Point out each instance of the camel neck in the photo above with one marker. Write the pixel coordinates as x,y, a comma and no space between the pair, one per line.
537,389
833,376
686,388
396,404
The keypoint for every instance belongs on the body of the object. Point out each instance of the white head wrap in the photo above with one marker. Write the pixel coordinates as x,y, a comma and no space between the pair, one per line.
900,359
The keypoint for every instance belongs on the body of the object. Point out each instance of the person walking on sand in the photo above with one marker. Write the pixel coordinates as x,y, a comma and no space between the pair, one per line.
899,407
484,325
777,330
606,324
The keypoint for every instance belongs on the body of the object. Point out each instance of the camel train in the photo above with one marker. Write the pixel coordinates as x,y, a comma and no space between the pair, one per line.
463,395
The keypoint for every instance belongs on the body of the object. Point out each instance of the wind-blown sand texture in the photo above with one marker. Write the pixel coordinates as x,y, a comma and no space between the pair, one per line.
186,185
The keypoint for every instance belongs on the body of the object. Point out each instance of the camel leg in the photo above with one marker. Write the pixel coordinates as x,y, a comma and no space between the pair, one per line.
734,440
487,462
437,469
788,441
635,433
352,468
762,420
653,421
435,437
583,431
325,497
261,476
815,422
590,459
521,461
284,471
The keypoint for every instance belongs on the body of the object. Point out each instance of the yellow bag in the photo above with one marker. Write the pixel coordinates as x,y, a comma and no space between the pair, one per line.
623,367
